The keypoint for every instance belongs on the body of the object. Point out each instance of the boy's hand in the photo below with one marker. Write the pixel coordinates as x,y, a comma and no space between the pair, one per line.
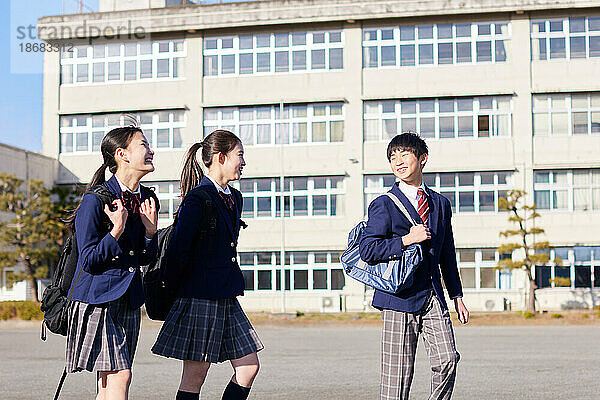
417,234
461,310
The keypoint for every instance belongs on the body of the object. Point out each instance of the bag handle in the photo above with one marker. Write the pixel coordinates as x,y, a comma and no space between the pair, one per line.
403,209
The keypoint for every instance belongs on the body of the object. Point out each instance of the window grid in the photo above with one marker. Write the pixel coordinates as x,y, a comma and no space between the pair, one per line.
468,192
565,38
478,270
83,133
296,124
263,54
401,46
566,114
579,264
169,197
303,197
567,190
304,271
442,118
122,62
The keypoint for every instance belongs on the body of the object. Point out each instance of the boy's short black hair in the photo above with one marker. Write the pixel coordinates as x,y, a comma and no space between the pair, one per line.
407,142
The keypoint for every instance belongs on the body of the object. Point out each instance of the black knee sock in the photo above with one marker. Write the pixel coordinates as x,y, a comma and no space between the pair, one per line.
233,391
181,395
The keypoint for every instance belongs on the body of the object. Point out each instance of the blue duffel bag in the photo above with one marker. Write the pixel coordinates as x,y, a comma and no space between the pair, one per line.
390,277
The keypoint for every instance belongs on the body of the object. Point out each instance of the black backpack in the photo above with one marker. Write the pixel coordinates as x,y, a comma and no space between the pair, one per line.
57,296
159,296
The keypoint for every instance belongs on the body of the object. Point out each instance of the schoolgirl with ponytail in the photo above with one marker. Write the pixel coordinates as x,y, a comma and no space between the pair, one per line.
113,242
206,323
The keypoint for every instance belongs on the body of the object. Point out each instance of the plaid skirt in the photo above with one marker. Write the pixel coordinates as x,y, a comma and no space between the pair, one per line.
102,337
206,330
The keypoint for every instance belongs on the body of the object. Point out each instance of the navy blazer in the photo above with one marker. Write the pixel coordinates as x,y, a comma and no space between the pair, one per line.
207,270
111,268
382,241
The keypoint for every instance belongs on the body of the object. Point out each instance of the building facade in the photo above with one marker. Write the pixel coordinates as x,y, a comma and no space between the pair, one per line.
24,165
505,94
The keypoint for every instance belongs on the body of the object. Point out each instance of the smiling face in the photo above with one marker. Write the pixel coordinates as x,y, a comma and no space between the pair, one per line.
407,167
232,163
138,155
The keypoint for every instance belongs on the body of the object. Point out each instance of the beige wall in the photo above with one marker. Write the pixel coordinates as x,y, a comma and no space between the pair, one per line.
519,78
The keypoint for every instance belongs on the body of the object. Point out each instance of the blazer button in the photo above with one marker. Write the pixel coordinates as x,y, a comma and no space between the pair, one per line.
232,244
144,251
116,257
232,259
131,269
131,252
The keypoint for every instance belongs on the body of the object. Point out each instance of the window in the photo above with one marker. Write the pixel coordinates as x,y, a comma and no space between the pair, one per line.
579,268
270,125
443,118
169,196
274,53
566,114
468,192
103,63
163,129
305,270
570,190
478,269
404,46
302,196
565,38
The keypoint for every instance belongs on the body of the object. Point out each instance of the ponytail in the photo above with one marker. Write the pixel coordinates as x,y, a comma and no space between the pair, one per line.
99,177
192,172
219,141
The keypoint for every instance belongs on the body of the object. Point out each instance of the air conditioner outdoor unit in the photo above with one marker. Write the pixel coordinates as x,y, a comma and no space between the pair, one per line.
330,304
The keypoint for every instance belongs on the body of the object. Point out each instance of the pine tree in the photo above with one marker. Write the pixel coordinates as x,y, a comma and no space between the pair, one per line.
32,228
533,252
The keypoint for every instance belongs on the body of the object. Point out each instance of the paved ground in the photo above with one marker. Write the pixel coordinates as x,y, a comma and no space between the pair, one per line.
334,363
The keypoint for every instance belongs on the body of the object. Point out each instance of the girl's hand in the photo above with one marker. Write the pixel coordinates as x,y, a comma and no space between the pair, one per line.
149,217
117,217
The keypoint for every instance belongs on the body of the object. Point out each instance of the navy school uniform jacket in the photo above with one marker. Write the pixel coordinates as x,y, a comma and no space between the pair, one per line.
207,270
111,268
382,241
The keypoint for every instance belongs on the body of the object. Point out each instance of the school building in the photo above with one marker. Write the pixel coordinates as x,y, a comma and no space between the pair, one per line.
24,165
506,94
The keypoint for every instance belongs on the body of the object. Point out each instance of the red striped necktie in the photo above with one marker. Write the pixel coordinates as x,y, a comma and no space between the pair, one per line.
423,206
228,200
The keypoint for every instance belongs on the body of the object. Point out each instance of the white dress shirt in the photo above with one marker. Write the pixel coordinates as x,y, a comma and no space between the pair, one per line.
411,192
219,188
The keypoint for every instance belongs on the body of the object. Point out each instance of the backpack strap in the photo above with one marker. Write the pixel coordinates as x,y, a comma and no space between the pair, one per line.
209,217
239,200
401,207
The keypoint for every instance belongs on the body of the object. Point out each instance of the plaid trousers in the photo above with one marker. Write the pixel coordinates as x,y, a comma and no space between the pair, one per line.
399,344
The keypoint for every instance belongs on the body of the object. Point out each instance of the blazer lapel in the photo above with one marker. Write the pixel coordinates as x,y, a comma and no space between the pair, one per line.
411,210
433,212
210,187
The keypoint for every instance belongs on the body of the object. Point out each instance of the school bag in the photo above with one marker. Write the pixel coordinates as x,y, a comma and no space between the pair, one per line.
159,296
390,277
57,296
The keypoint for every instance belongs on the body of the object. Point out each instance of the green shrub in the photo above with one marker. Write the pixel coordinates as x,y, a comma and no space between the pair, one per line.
556,316
597,314
25,310
585,316
528,315
299,314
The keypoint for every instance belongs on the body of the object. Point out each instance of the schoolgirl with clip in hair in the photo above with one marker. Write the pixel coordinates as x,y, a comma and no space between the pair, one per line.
113,241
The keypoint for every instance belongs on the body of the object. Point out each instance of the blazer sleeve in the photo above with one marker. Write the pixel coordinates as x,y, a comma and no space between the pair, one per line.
96,248
181,244
378,244
448,257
